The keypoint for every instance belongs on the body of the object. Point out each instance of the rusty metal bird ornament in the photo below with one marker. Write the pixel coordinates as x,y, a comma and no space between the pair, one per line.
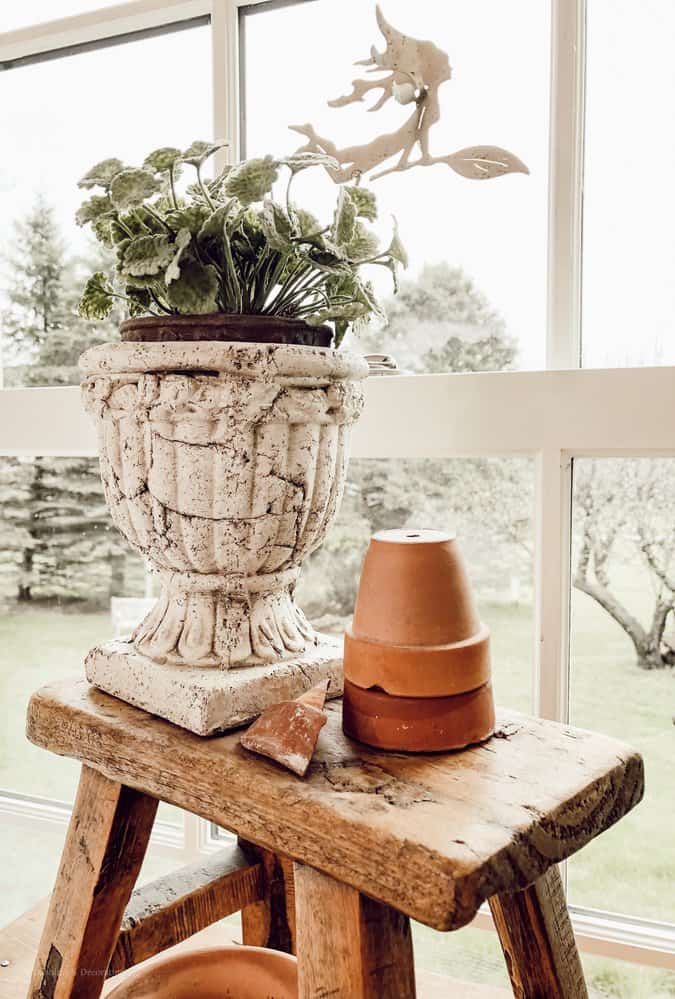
414,72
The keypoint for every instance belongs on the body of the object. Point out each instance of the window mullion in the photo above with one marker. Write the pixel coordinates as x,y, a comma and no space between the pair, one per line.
552,583
568,24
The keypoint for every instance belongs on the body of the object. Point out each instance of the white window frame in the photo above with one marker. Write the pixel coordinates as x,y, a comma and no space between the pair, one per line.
552,416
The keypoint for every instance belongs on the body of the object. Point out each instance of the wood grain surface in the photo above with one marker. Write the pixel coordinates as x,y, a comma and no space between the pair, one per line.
538,941
106,841
180,904
270,921
433,836
349,946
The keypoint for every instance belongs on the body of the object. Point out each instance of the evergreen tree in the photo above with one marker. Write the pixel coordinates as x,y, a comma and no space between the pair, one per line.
35,290
43,331
56,530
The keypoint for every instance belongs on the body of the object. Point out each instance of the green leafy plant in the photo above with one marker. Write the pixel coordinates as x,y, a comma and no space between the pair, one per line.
227,245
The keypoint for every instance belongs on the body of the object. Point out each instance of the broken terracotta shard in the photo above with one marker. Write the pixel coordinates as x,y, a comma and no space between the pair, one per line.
288,732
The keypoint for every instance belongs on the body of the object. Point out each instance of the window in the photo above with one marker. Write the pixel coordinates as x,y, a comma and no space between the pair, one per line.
483,245
57,129
511,458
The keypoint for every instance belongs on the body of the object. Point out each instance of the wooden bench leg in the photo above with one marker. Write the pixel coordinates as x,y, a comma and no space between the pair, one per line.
104,849
349,947
270,922
538,941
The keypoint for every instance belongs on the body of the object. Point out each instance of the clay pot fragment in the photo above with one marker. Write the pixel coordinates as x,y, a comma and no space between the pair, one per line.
417,650
288,732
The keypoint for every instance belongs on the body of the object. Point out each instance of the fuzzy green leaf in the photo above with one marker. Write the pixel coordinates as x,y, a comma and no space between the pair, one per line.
132,187
348,312
192,218
161,160
146,255
302,160
97,298
93,208
345,218
183,240
195,291
199,151
307,223
102,174
365,202
363,245
396,249
102,229
251,180
277,226
139,300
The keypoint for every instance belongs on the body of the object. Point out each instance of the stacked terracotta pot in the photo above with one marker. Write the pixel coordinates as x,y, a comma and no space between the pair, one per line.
417,658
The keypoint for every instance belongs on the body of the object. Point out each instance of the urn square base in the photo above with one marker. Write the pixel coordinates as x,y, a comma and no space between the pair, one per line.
207,700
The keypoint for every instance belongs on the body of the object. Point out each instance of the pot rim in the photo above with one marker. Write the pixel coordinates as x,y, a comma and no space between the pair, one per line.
302,365
215,953
225,327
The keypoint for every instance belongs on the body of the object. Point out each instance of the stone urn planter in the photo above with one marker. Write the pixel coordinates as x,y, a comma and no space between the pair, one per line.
223,465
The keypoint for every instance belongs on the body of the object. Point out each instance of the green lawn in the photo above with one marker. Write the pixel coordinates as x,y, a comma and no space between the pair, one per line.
630,868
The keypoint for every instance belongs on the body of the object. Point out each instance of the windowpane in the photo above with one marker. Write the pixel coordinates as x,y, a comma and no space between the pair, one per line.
479,250
34,850
495,531
63,568
629,198
623,651
609,979
59,118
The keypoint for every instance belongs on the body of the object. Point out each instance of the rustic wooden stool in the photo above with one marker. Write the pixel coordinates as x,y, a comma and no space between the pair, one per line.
331,867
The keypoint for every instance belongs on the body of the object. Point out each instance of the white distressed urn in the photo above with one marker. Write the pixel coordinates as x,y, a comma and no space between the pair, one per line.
223,465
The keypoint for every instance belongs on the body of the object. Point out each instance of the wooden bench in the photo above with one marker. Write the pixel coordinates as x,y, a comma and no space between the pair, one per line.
331,867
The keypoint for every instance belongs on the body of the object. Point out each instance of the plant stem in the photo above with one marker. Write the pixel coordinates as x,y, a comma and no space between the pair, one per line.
172,185
206,194
158,218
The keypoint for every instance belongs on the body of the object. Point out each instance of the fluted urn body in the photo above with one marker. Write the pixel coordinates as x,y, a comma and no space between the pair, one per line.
223,465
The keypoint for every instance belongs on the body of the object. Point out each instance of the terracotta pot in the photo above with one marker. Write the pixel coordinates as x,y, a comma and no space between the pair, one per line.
225,328
223,465
415,631
214,973
418,724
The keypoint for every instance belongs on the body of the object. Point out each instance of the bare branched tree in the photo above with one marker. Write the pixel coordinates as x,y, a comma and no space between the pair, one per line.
624,510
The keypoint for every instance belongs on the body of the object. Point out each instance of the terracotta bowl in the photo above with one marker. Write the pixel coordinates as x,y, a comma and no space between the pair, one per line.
214,973
415,631
418,724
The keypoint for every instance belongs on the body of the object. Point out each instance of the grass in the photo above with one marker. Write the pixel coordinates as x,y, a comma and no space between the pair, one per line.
630,868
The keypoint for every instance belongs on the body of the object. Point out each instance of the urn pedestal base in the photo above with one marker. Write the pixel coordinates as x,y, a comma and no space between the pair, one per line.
206,700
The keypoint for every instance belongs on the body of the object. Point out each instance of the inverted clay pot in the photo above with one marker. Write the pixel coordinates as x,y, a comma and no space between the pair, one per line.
214,973
415,631
223,465
418,724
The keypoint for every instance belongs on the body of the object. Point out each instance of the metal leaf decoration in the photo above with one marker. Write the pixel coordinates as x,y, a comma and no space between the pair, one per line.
414,71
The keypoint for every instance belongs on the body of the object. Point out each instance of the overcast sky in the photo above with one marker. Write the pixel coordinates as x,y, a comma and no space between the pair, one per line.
57,118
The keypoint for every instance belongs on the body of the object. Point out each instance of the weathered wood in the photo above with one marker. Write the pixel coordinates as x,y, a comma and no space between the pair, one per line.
538,941
173,908
105,845
433,836
19,943
349,946
270,922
